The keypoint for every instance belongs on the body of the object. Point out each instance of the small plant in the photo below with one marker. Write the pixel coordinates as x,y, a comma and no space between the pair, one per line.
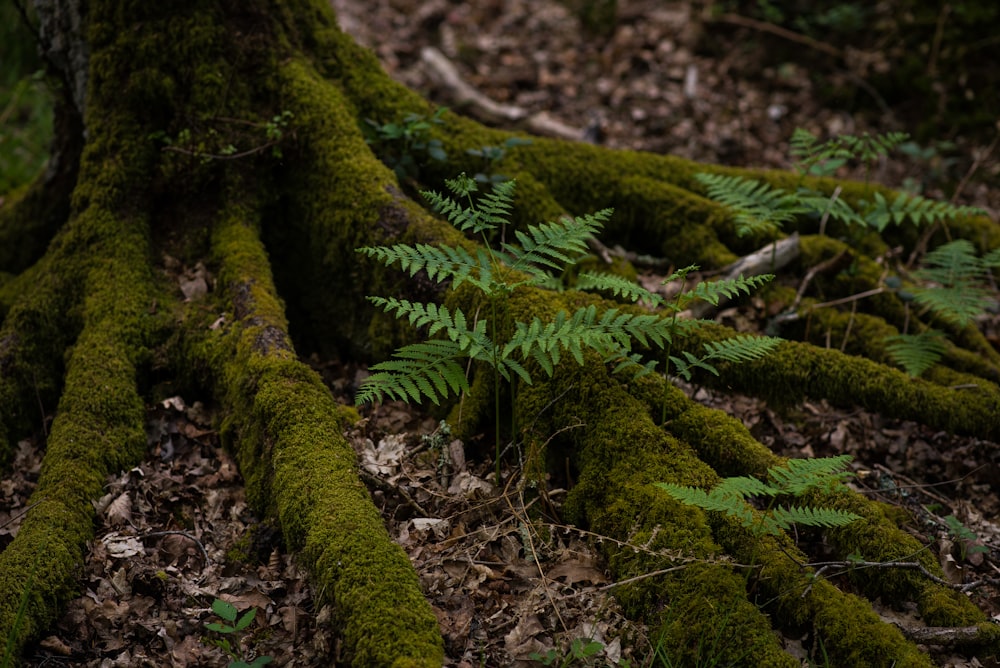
968,541
491,156
581,650
232,628
432,370
955,289
793,479
400,145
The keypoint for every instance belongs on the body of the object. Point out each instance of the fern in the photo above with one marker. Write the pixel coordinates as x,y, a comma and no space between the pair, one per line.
824,158
432,369
440,262
421,370
713,291
957,279
758,208
737,349
916,352
795,478
913,209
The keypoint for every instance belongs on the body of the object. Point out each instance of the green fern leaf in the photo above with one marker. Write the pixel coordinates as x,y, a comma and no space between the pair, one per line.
618,286
758,208
958,296
744,348
441,263
471,341
913,208
916,352
784,518
554,245
798,476
427,370
713,291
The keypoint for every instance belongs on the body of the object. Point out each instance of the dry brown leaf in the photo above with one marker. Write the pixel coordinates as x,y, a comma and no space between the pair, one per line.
577,571
119,512
55,645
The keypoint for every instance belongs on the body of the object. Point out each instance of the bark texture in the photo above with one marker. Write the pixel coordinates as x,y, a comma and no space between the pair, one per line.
169,94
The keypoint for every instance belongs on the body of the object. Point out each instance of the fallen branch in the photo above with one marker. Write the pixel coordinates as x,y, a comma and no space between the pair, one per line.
488,110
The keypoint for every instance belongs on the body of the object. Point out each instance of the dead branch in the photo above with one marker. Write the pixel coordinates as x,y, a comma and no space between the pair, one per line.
485,109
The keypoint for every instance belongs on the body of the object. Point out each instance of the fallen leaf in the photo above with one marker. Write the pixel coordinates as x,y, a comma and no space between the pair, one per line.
119,511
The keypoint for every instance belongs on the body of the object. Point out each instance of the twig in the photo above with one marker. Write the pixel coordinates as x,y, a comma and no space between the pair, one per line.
381,484
784,33
216,156
822,267
444,72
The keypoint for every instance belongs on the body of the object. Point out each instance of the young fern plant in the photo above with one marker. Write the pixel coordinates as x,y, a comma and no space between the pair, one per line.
795,478
434,369
954,274
955,288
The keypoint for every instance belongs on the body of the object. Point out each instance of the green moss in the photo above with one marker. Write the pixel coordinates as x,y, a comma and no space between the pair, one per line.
285,428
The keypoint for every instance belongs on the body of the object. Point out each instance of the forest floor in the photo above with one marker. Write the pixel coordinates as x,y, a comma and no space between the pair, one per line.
175,533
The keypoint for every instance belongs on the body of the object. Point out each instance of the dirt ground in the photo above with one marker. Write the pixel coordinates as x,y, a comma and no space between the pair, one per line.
175,533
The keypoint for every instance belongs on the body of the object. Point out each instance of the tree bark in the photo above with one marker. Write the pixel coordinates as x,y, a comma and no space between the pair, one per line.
159,98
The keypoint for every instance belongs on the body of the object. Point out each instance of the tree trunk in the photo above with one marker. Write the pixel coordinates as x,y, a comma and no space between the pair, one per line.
175,147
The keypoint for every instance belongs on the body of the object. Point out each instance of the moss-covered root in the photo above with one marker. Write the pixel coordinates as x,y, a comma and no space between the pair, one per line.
621,453
798,370
285,427
701,609
725,444
98,429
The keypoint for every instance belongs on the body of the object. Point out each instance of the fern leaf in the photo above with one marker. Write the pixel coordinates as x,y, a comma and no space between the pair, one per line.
440,262
743,348
713,291
797,476
916,352
555,244
422,370
491,210
618,286
914,208
757,207
784,518
471,341
684,366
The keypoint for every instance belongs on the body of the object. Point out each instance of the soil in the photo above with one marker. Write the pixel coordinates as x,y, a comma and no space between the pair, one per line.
174,534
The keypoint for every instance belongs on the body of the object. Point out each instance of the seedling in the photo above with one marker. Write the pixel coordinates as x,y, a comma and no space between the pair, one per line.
232,629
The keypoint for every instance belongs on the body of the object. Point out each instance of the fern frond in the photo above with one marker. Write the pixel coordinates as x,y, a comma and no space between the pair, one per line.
730,504
784,518
713,291
544,342
914,208
684,366
959,275
758,208
797,476
744,348
473,342
618,286
555,244
916,352
819,204
794,478
491,210
959,305
440,262
421,370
